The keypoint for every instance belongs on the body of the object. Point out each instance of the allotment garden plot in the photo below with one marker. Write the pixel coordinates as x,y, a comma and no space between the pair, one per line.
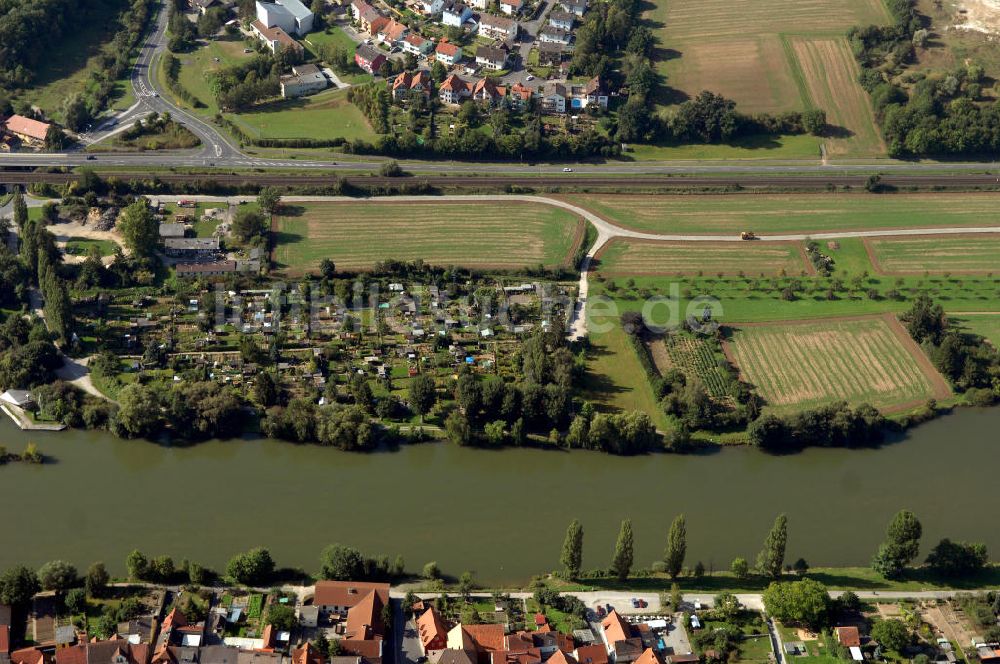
808,364
357,235
972,254
624,257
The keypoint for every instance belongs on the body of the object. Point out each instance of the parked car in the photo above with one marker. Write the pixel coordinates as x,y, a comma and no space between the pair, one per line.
530,78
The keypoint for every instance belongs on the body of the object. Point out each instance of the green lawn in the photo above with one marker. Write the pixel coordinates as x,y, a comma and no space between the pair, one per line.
332,35
198,65
801,146
791,213
357,235
81,245
324,116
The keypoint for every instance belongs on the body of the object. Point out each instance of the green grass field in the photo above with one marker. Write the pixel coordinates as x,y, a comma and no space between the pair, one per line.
624,257
752,147
938,254
323,116
796,366
615,381
198,66
81,246
985,325
357,235
790,213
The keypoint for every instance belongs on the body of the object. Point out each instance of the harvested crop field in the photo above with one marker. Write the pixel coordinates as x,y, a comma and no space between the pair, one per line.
936,254
798,365
790,213
356,235
735,47
627,257
829,75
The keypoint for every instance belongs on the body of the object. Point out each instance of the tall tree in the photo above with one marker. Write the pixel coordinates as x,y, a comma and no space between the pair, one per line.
269,200
18,585
20,210
772,556
673,557
422,394
901,545
97,579
139,228
572,550
621,563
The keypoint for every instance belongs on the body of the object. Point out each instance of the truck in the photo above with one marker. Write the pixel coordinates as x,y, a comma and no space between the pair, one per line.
748,235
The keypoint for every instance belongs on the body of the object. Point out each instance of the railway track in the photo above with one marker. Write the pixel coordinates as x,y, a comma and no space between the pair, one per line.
804,182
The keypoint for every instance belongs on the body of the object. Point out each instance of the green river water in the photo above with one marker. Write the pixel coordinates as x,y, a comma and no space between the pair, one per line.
501,514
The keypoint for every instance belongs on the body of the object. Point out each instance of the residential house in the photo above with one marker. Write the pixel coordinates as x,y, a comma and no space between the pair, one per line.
309,616
364,14
452,656
407,83
481,5
562,20
211,269
622,645
550,54
275,38
432,631
552,35
28,656
455,13
338,597
591,655
304,80
417,45
554,98
482,639
112,651
497,27
392,32
648,656
290,15
486,90
453,90
988,653
491,57
369,58
447,53
577,7
511,7
307,654
30,132
520,95
431,7
590,94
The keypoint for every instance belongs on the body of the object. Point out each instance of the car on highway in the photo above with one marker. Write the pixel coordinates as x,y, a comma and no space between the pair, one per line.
91,157
567,170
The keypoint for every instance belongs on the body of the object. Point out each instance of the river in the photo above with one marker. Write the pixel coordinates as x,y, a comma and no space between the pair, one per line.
501,514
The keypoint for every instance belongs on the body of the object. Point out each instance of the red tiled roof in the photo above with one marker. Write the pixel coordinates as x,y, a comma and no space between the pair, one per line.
648,657
431,627
454,83
27,656
18,124
486,637
371,649
592,655
376,24
559,657
4,639
849,636
394,30
540,619
307,654
615,629
447,48
276,34
347,593
415,40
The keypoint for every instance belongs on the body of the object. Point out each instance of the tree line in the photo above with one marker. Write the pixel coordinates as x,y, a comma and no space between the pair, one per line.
938,115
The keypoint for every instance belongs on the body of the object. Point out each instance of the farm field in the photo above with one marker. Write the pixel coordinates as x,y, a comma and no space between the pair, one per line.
357,235
625,257
735,48
936,254
692,355
790,213
828,73
323,116
867,360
